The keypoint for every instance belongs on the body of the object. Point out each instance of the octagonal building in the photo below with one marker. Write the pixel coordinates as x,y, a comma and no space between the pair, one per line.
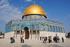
35,19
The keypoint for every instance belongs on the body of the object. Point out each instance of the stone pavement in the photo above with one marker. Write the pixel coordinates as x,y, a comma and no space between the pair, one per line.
31,43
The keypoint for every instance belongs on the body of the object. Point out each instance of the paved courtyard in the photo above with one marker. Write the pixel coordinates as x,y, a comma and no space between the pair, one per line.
31,43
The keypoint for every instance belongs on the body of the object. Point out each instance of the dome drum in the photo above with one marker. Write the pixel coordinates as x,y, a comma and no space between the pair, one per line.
34,14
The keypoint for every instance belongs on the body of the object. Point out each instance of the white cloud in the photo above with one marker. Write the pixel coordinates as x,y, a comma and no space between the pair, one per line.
8,12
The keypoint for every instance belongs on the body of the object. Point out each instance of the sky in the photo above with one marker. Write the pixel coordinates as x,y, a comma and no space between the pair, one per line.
57,10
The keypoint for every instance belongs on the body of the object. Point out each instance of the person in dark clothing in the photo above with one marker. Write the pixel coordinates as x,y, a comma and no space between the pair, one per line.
12,40
22,40
45,39
62,39
56,39
49,39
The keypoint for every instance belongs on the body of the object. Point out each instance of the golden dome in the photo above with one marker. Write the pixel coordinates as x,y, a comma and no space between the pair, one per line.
34,9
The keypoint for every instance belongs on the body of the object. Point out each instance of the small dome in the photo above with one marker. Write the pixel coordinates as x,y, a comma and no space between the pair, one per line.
34,9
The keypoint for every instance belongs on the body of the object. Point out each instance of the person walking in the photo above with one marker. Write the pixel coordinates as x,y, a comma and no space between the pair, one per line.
62,39
49,39
22,40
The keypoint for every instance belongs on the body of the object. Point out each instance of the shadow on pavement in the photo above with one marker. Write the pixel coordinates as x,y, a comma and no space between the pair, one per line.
54,45
25,45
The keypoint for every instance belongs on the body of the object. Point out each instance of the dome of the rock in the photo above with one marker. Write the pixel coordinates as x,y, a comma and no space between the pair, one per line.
34,9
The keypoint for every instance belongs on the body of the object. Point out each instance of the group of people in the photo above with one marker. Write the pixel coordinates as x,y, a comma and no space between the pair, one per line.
12,40
56,39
